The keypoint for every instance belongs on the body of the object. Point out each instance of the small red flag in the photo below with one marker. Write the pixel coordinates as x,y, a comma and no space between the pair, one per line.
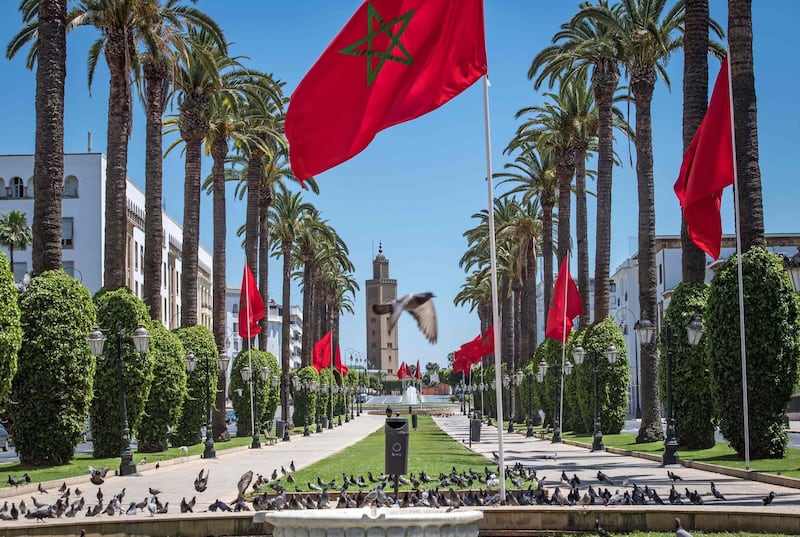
459,362
418,372
251,307
340,367
321,356
707,169
564,306
393,61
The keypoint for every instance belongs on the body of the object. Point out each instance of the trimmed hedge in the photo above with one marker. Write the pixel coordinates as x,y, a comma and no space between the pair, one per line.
119,306
266,396
305,401
10,329
550,351
691,380
52,389
772,316
167,393
200,341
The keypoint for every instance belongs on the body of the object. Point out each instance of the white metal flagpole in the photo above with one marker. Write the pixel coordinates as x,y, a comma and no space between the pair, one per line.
743,347
558,426
248,314
501,471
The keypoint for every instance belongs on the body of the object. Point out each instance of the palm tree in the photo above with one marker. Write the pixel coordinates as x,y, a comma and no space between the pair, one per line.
161,32
45,27
14,232
745,112
477,292
583,45
695,103
287,213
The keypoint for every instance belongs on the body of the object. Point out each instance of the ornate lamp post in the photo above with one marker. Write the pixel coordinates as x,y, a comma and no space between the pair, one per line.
323,388
191,364
694,332
558,374
247,376
141,341
529,376
578,354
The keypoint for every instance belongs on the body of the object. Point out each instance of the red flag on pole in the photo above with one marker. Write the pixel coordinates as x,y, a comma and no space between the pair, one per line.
340,367
418,372
321,355
393,61
564,306
459,362
251,307
707,169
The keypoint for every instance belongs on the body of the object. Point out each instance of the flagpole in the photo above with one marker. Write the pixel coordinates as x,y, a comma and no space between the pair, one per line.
557,427
333,379
743,347
501,471
249,309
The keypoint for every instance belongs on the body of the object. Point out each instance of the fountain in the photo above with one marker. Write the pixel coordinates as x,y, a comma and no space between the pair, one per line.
411,397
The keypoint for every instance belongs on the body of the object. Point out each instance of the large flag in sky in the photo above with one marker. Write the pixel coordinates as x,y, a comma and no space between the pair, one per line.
481,346
564,306
707,169
393,61
251,307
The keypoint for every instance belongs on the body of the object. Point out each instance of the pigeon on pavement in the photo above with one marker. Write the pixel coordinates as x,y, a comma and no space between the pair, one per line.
418,305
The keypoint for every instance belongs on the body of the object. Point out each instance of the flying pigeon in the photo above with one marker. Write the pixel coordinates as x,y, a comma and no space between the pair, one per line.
418,305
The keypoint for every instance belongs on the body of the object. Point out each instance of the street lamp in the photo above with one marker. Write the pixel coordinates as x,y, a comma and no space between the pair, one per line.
578,354
694,332
141,340
247,376
509,382
191,365
529,376
558,374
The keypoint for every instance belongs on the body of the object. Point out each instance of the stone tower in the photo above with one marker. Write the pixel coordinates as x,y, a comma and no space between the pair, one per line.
382,352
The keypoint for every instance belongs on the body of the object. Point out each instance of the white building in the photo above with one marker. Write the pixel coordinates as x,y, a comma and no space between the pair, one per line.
83,231
624,308
234,343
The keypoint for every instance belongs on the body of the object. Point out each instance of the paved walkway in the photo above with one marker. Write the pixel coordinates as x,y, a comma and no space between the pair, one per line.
550,459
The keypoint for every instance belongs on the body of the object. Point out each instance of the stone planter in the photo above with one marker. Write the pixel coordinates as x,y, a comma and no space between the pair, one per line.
383,522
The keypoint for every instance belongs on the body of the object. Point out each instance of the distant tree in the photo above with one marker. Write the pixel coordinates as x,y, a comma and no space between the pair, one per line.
14,233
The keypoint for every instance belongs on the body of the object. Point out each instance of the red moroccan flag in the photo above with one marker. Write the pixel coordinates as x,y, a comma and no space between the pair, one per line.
707,169
321,355
340,367
393,61
564,306
251,307
459,362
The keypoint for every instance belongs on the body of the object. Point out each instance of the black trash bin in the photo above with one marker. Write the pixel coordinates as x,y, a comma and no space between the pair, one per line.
475,430
396,446
414,421
280,425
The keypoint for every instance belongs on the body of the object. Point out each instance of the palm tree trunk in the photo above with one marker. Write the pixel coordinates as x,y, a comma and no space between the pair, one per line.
695,103
547,250
155,88
48,162
642,84
119,123
191,232
531,338
286,249
604,83
507,321
263,259
219,152
581,230
307,340
745,113
564,170
252,221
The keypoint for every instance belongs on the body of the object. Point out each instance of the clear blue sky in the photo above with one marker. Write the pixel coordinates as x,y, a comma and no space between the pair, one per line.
416,186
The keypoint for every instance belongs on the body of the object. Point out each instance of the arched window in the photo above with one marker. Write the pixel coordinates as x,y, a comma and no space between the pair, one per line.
29,190
235,308
3,192
17,187
71,187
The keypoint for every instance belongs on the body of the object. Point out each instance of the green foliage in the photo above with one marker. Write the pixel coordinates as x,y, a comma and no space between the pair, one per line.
119,313
167,393
305,400
612,380
691,381
266,397
52,389
324,399
10,329
550,351
200,384
772,318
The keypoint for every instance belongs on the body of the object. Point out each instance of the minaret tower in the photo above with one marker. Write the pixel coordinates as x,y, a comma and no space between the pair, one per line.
382,352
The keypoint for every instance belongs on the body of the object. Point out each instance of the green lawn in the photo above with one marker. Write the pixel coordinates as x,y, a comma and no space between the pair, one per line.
80,464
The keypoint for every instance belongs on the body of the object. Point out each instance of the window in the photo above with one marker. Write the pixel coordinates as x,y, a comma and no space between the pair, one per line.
17,188
3,191
141,255
136,256
660,274
612,286
236,327
235,308
67,232
71,187
389,344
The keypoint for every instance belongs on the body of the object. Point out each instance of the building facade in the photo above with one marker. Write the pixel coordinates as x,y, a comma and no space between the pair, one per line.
83,232
382,351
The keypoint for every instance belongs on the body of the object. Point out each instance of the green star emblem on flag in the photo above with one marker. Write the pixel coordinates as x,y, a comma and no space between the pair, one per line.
375,27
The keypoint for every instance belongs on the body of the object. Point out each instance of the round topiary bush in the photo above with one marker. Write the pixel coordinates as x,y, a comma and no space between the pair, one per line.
305,400
167,393
52,389
200,384
772,337
10,328
691,381
266,397
119,313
